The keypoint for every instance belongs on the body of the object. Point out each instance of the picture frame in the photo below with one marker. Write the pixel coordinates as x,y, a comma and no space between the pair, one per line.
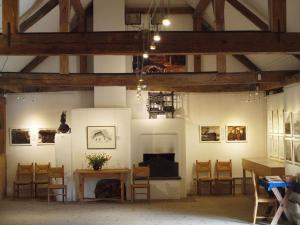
46,136
288,150
19,136
101,137
236,134
275,152
296,124
133,18
296,149
210,134
270,122
275,122
288,124
281,147
280,121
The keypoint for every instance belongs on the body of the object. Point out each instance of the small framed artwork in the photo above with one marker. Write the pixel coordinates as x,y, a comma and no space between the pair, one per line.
236,134
296,124
280,121
101,137
288,123
19,136
46,136
275,147
275,121
281,147
210,134
270,122
133,19
270,145
296,146
288,150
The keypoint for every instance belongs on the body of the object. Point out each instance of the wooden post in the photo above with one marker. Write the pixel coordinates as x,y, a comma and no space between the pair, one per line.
277,15
2,148
10,16
64,11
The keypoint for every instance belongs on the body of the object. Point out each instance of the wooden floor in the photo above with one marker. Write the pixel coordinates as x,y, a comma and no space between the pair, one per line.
216,210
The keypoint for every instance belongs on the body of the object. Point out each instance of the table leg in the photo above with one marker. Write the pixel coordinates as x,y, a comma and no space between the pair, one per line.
244,181
122,187
282,205
81,188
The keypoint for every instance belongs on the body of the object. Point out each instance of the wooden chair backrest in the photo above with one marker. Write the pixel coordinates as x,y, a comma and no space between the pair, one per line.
56,173
25,172
41,170
224,168
202,168
254,182
140,173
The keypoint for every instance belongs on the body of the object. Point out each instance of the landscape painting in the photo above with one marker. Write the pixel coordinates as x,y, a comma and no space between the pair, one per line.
19,137
296,124
46,136
210,133
236,133
101,137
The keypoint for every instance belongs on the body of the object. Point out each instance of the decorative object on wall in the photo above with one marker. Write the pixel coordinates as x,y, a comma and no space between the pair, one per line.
236,133
19,137
97,160
210,133
270,122
281,147
296,124
275,121
101,137
161,103
46,136
275,152
133,18
288,149
63,128
287,123
296,145
280,121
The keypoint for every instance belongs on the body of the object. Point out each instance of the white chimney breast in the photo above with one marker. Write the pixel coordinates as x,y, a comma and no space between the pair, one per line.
110,97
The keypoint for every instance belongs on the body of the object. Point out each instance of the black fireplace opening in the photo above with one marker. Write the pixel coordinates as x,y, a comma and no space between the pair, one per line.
162,166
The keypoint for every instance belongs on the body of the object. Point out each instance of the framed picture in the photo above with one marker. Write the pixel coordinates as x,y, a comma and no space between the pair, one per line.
19,136
288,150
210,133
296,124
101,137
281,147
275,121
288,123
275,147
133,19
280,121
270,122
46,136
296,146
270,145
236,133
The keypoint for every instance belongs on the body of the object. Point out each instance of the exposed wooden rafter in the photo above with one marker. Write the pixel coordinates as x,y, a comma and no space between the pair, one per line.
246,62
64,13
34,63
277,15
10,16
249,14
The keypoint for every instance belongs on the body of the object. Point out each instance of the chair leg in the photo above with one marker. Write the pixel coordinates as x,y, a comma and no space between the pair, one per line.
48,195
255,212
63,194
200,187
132,194
66,193
233,187
148,194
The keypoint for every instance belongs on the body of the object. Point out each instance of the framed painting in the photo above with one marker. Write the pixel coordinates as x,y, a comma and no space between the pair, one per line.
275,147
46,136
101,137
288,150
275,121
236,133
280,121
210,134
296,124
133,19
270,122
296,146
281,147
288,123
19,136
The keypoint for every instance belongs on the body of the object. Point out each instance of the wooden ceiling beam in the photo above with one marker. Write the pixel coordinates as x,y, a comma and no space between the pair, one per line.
131,43
277,15
39,14
172,10
10,16
34,63
249,14
246,62
64,13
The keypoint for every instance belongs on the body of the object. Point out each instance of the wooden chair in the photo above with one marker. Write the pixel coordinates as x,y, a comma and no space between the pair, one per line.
260,199
40,176
203,173
24,177
56,174
223,170
140,180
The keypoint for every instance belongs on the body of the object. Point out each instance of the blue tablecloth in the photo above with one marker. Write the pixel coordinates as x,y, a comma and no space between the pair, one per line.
269,185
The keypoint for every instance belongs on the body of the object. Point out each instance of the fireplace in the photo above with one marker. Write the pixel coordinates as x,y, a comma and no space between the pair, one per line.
162,166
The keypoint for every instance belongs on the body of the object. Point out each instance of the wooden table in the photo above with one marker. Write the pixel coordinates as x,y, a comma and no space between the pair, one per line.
120,174
262,167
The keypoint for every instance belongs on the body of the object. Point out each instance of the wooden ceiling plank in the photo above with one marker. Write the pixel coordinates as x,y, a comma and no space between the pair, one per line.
277,15
10,16
39,14
64,13
249,14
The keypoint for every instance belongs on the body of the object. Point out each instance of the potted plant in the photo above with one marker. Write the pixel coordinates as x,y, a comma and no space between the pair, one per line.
97,160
